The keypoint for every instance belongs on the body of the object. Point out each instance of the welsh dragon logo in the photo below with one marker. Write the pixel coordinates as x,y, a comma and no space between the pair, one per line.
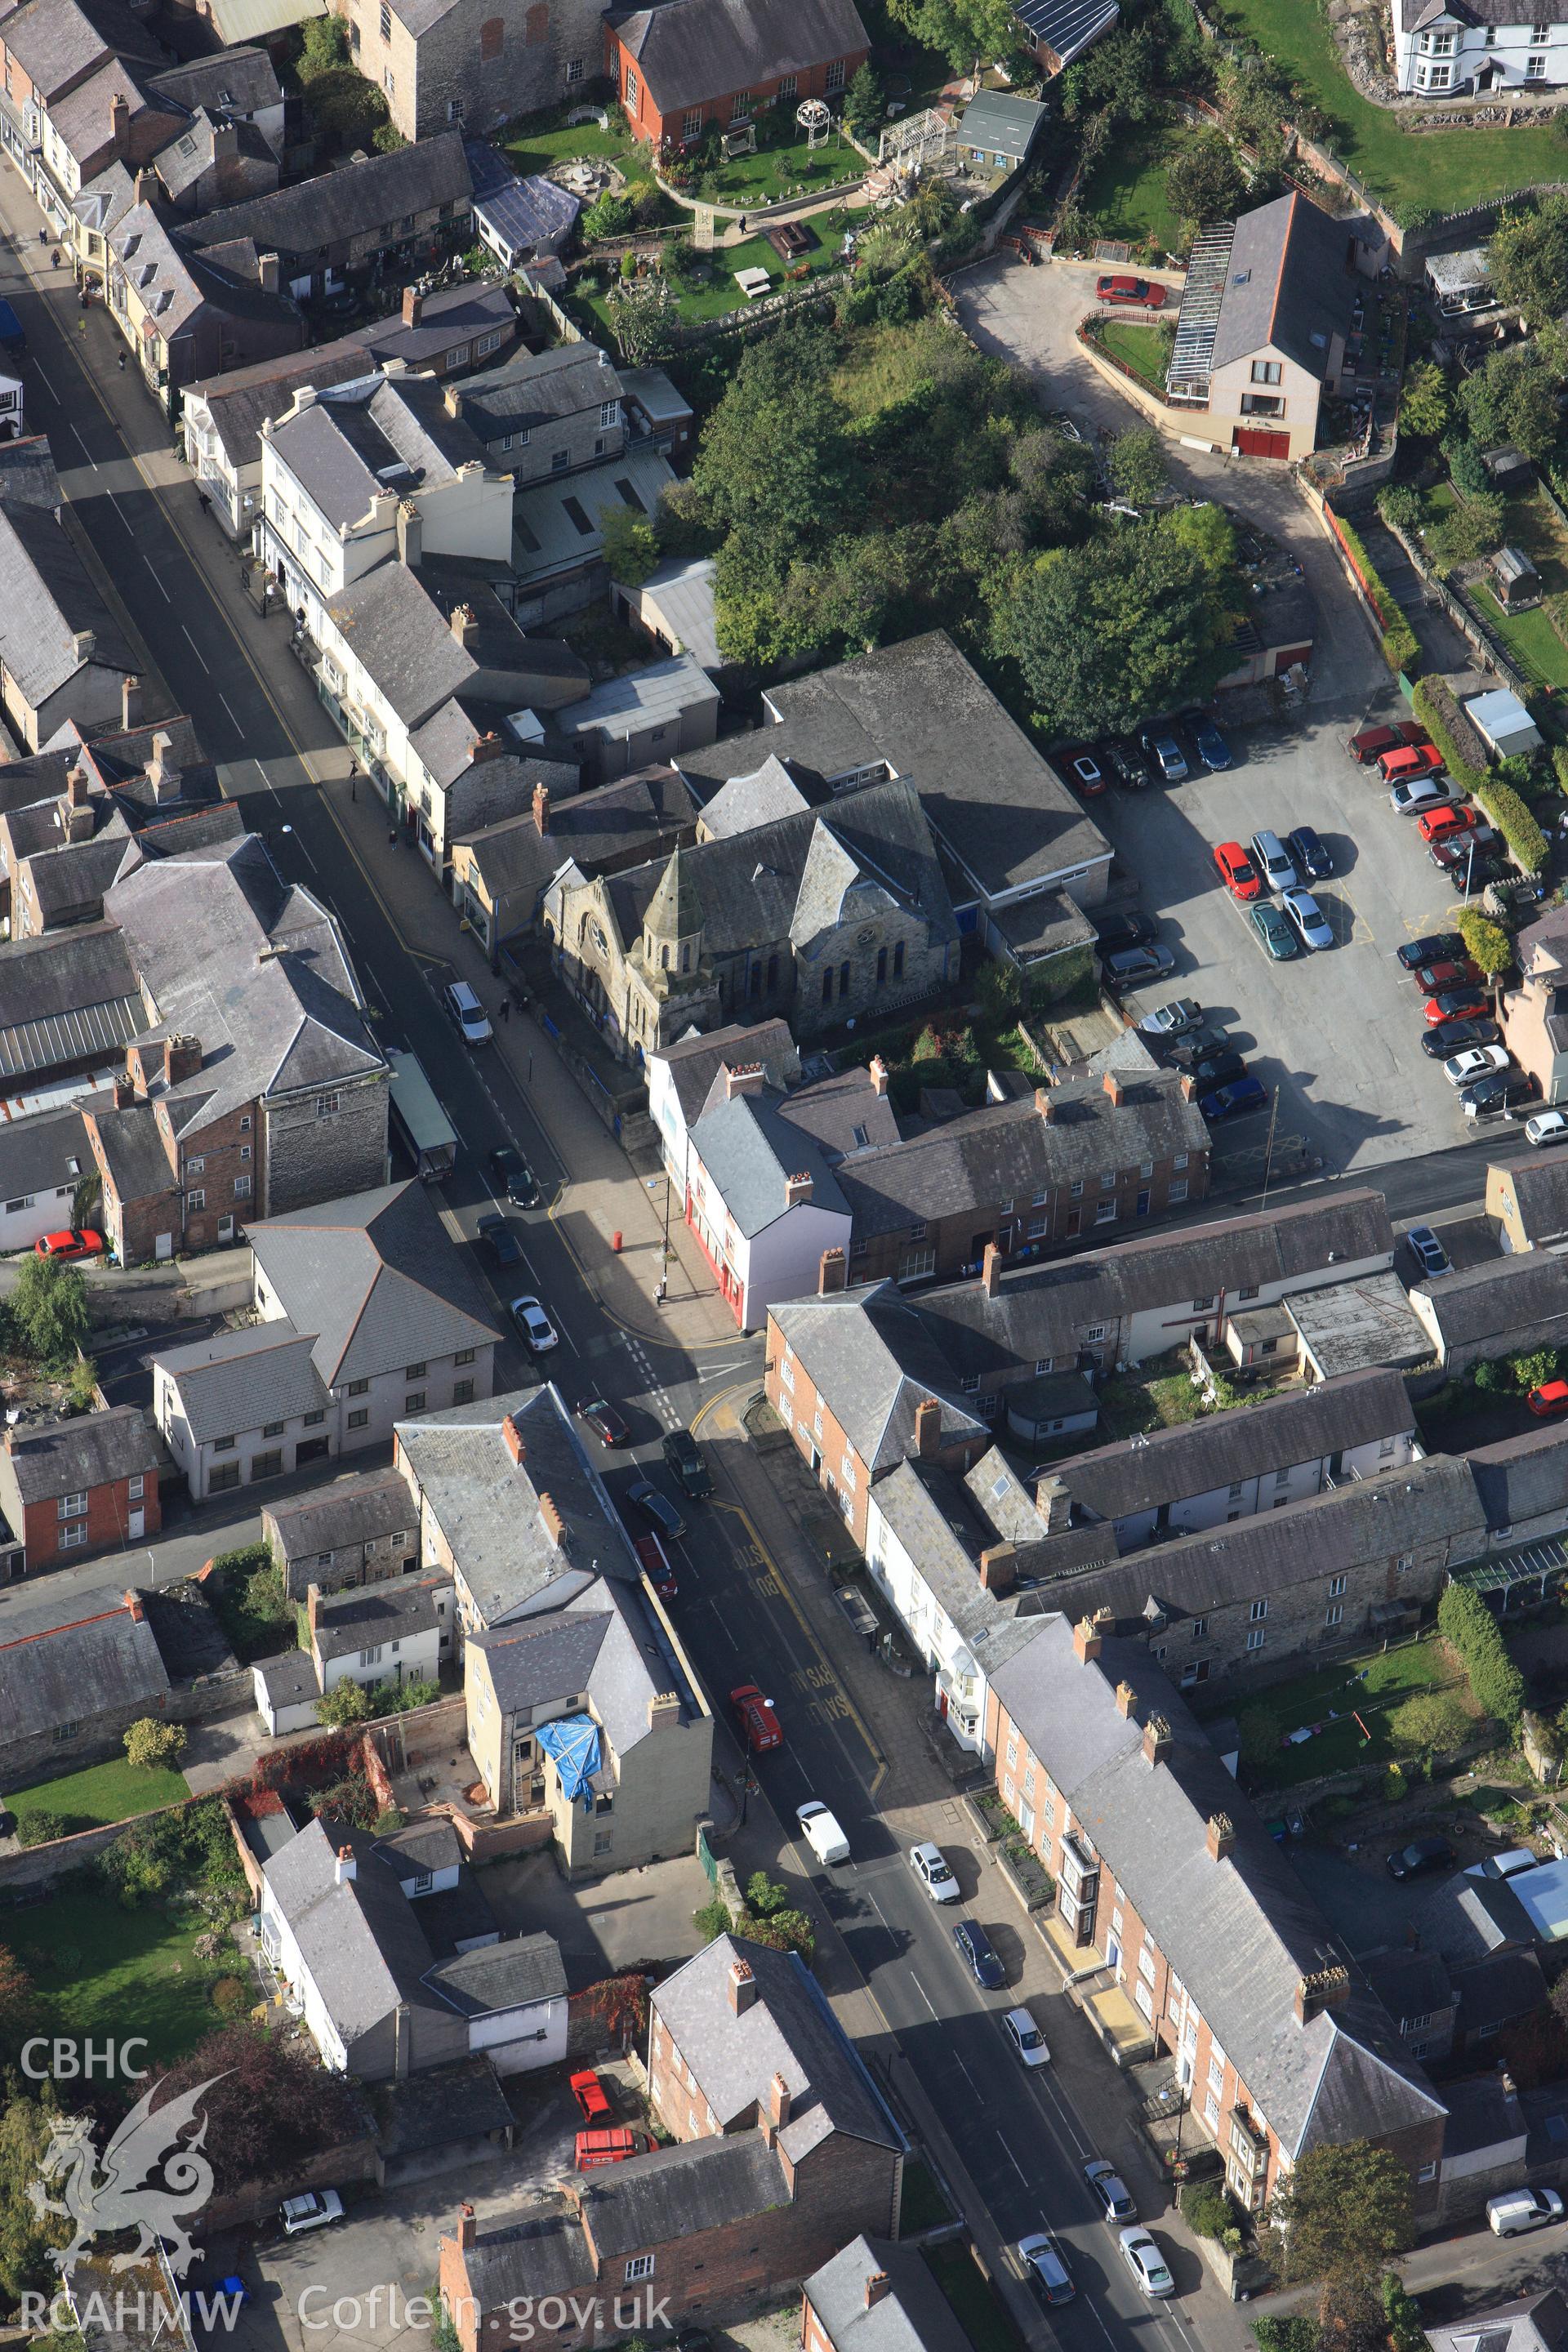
147,2182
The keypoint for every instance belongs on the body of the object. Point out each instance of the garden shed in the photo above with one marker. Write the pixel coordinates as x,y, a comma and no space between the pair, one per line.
1503,722
1515,580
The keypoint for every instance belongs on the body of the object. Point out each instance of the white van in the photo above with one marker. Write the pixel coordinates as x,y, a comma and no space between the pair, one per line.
822,1834
1518,2209
467,1013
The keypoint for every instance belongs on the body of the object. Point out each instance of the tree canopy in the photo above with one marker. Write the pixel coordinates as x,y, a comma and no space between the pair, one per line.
1528,258
1342,2213
1203,183
1512,399
48,1309
269,2108
961,30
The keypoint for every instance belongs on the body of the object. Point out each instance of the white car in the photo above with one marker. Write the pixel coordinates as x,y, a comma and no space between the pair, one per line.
1475,1061
311,2212
538,1332
1172,1020
1547,1126
1422,792
1025,2038
1146,2263
1308,918
926,1862
822,1832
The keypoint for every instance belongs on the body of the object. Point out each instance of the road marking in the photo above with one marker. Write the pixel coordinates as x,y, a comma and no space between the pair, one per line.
54,396
923,1994
224,699
267,780
194,647
162,589
1010,2157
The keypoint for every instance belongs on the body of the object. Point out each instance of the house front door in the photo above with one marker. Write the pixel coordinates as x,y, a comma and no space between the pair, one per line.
136,1526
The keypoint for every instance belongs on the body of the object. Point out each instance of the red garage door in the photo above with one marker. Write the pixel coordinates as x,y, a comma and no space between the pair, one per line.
1260,445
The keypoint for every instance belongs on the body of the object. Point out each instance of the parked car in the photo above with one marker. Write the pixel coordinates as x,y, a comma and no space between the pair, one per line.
1548,1401
1167,755
1467,864
1275,933
685,1457
1109,2190
821,1832
1312,923
78,1242
1139,291
1503,1092
1045,2267
1547,1126
1432,978
1454,1005
593,2104
593,2149
1421,1857
1241,876
1511,1865
1373,742
646,1497
757,1718
1473,1063
1170,1020
1419,793
1433,948
1025,2038
1196,1045
1219,1070
536,1330
1310,852
1131,928
1089,776
466,1014
1130,966
605,1422
1410,763
514,1178
496,1235
929,1867
979,1955
1233,1101
1146,2263
1428,1252
1518,2209
1268,852
1212,748
1448,823
311,2210
1128,765
1446,1037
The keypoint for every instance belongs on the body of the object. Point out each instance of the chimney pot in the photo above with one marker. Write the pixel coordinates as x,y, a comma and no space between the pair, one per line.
554,1525
1043,1104
467,2226
542,807
743,1079
512,1437
832,1273
1085,1641
129,703
742,1987
1114,1089
798,1188
1156,1739
1324,1989
344,1868
1126,1700
464,625
1221,1837
876,2288
485,747
928,1429
119,115
991,1270
879,1074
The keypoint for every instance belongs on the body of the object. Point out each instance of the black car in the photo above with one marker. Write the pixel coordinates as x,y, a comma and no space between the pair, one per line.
646,1497
1499,1091
1198,1045
1310,852
498,1237
1446,1037
980,1955
1463,870
1130,928
1423,1855
1219,1070
1436,946
511,1175
684,1456
1127,766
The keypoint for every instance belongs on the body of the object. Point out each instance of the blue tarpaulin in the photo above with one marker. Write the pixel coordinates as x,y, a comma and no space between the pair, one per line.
574,1742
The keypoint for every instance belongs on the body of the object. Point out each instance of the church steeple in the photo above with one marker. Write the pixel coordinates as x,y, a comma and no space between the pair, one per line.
672,927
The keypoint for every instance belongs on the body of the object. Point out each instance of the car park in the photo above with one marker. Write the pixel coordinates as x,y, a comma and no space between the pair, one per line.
1168,757
1140,292
1146,2263
1219,1070
1310,852
931,1868
1473,1063
1089,776
310,2211
1510,2214
1434,947
1502,1093
1275,933
1428,1252
466,1014
1241,876
1025,2038
1418,1859
1130,966
685,1457
1547,1126
1233,1101
1548,1401
1109,2190
1454,1005
496,1235
979,1955
822,1834
1045,2267
1211,746
646,1497
1419,793
76,1242
537,1331
605,1422
1410,763
1447,1037
514,1178
1311,924
757,1718
1170,1020
1267,854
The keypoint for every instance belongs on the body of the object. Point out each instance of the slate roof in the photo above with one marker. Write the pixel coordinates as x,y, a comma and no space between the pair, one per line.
67,998
680,596
1409,1984
940,1521
357,441
1522,1478
41,1153
134,1153
542,2250
174,281
657,696
692,50
28,476
1344,1326
844,1114
593,829
1239,1933
374,1503
361,1941
555,523
67,1458
1537,2323
535,388
1495,1990
683,2191
373,1279
1000,811
47,599
236,81
911,2315
874,1361
52,1673
1222,1448
787,2030
695,1061
239,401
746,802
1287,287
240,1381
1500,1299
448,318
57,41
509,1975
1001,123
1541,1196
600,1646
441,2105
750,1152
403,641
395,1609
357,200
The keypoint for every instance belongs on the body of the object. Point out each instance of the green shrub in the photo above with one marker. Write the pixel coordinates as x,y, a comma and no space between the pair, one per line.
1402,506
1440,715
1400,650
1258,1740
1206,2209
1404,2312
1468,1625
41,1828
1297,2334
1432,1723
1486,942
1395,1787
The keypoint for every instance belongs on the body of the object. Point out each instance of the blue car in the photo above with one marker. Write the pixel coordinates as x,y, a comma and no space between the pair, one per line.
1212,749
1233,1101
979,1955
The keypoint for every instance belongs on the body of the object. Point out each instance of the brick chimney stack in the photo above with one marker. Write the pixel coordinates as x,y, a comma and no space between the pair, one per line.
999,1568
1053,1501
464,625
1043,1104
1085,1641
541,808
991,1270
1221,1837
468,2227
129,703
312,1604
1189,1086
1325,1989
1126,1700
832,1273
742,1987
798,1188
512,1438
879,1074
182,1058
928,1429
554,1525
1114,1089
119,117
1156,1739
744,1078
778,2103
413,307
485,747
410,535
132,1600
877,2285
124,1090
663,1709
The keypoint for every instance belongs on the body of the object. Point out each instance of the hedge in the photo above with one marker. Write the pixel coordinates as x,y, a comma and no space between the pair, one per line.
1400,650
1451,731
1486,942
1469,1627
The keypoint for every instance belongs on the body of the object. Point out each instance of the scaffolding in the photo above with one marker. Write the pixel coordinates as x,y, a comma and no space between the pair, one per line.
920,142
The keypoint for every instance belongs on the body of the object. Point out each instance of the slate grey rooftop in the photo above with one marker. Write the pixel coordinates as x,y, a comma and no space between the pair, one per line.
240,1381
871,1353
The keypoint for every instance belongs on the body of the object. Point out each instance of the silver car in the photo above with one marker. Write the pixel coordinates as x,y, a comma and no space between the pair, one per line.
1311,925
926,1862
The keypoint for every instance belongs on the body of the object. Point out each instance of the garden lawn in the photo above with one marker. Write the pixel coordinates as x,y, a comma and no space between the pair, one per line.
1442,173
102,1970
720,295
540,140
1530,637
775,172
1126,198
115,1792
1374,1687
1145,350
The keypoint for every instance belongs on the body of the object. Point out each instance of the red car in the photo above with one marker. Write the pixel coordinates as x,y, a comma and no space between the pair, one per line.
1432,978
759,1723
589,2094
1238,872
1457,1004
1443,823
71,1245
596,2147
1137,290
1372,742
1552,1399
1411,761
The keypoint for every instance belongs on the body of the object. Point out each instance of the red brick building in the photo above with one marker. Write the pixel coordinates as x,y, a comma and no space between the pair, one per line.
689,64
70,1488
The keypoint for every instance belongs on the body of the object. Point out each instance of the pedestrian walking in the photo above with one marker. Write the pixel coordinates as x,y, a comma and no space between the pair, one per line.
203,502
353,781
506,1008
120,362
660,1287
